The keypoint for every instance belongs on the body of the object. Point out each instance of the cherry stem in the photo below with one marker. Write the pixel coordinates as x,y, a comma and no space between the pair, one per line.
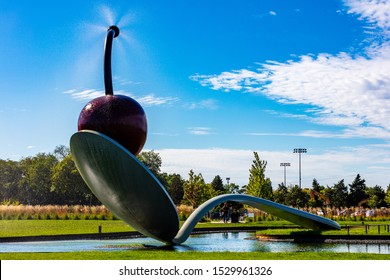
112,32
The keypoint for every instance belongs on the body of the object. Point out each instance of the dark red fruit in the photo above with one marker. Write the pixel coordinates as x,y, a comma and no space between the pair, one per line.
117,116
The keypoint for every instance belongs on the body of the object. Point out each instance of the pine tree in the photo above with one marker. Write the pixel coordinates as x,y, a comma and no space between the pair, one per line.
357,191
339,194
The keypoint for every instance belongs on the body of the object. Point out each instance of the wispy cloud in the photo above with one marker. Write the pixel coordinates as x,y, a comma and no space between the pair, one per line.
328,167
210,104
200,130
152,100
364,132
344,89
272,13
373,11
124,81
146,100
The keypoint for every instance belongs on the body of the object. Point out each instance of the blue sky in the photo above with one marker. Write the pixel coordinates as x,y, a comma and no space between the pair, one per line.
217,79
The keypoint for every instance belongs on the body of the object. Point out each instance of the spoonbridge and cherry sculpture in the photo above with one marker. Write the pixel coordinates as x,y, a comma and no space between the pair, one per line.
111,132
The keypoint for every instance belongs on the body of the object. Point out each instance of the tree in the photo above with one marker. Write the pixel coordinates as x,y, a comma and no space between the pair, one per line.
233,188
36,178
175,187
68,185
10,175
280,194
259,185
376,197
387,197
217,185
296,197
151,160
61,152
339,195
195,190
357,191
316,192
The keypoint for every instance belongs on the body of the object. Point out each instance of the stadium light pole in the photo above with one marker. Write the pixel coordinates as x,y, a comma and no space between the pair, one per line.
284,164
300,151
228,182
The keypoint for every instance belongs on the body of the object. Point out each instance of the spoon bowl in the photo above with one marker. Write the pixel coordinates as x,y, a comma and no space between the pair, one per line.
124,185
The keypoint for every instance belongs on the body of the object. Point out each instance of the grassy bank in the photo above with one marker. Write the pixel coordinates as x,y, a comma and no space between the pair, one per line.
56,227
164,255
347,229
12,228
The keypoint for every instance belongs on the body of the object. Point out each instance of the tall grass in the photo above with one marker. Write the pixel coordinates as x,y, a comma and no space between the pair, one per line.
55,212
83,212
336,214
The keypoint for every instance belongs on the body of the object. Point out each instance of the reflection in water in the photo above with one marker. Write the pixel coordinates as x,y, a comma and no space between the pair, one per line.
213,242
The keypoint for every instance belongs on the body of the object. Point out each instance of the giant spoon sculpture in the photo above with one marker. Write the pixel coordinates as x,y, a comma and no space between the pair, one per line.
112,131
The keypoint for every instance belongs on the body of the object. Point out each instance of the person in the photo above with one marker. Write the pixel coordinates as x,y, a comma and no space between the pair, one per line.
225,212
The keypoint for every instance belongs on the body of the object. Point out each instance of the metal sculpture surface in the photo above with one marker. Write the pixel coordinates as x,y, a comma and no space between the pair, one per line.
105,157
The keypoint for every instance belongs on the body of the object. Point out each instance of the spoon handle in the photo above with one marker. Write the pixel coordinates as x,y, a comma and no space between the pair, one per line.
112,32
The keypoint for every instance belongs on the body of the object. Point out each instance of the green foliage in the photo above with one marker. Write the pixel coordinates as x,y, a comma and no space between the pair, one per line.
296,197
376,197
196,191
387,197
67,184
191,255
52,178
36,179
151,160
339,194
316,200
280,194
10,175
174,184
357,191
259,185
217,185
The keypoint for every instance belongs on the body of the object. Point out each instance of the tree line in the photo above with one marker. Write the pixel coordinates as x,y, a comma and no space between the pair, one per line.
52,178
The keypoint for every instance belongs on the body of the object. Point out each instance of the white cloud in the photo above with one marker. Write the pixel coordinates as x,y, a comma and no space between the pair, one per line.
200,130
359,132
373,11
152,100
210,104
124,82
146,100
272,13
344,89
87,94
371,162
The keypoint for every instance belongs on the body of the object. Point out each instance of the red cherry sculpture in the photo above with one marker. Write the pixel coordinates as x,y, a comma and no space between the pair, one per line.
117,116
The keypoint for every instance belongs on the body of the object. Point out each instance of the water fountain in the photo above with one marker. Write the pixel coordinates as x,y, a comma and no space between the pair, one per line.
112,131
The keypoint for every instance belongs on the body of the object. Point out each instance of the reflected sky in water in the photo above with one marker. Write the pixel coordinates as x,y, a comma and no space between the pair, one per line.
213,242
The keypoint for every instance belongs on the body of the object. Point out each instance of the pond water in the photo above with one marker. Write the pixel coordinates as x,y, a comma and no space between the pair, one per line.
211,242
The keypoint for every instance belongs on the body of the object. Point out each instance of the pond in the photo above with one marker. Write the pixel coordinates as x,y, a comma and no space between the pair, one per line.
210,242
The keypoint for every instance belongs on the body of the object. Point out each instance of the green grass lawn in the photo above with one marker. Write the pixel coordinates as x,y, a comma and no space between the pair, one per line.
164,255
56,227
372,230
